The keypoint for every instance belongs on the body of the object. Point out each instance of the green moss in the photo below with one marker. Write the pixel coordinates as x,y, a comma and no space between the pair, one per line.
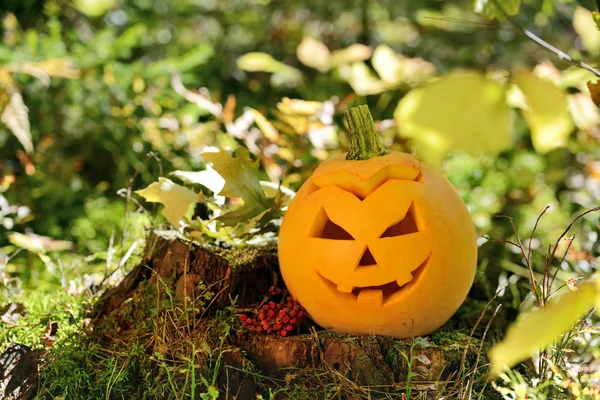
241,257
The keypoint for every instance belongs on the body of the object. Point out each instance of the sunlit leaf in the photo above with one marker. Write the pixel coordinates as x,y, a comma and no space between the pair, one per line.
208,178
583,110
547,112
585,26
540,328
263,62
362,80
265,126
241,181
313,53
474,119
16,117
387,64
37,243
353,53
395,69
94,8
175,198
299,107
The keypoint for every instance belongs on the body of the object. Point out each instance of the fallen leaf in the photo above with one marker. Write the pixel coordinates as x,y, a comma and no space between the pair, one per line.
10,313
49,336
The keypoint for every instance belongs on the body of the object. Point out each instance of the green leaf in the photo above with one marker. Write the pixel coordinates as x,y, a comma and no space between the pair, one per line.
176,199
547,112
475,119
241,181
540,328
586,28
195,57
94,8
490,10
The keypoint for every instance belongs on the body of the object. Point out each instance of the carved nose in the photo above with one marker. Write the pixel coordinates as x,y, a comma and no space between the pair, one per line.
367,259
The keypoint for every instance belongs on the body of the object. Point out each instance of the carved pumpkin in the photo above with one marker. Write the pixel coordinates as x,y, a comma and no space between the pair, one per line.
376,242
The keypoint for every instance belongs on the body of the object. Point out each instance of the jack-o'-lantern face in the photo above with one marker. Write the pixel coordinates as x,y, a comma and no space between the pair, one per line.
383,245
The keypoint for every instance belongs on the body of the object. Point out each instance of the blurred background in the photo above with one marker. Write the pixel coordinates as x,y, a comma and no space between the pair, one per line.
89,88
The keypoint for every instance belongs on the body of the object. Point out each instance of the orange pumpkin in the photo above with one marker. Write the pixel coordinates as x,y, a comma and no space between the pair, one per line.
376,242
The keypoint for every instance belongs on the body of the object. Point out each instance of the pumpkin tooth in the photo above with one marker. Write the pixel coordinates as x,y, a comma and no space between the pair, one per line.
345,288
403,280
370,297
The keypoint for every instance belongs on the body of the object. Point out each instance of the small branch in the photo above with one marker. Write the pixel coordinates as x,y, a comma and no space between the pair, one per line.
530,35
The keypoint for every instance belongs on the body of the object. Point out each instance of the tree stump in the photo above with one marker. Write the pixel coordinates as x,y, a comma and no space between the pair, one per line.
187,270
19,372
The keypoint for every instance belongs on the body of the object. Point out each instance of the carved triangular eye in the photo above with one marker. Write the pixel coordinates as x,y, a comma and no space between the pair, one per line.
367,259
410,224
325,228
333,231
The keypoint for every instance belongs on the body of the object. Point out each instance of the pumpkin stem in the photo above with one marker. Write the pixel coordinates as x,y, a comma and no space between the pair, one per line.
364,140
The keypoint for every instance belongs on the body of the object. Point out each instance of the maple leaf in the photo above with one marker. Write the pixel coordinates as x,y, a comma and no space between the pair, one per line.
175,198
241,181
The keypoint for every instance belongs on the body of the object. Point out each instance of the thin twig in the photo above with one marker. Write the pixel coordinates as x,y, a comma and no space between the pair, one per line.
540,42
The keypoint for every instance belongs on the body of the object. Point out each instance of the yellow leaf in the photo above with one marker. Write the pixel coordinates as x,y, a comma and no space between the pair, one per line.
584,111
300,107
547,112
585,26
395,69
461,111
314,54
16,117
241,181
349,55
37,243
175,198
94,8
265,126
363,81
540,328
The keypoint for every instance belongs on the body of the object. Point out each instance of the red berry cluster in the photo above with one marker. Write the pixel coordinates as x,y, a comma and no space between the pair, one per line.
279,318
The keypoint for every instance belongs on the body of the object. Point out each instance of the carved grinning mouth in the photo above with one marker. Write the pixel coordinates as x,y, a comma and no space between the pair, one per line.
376,295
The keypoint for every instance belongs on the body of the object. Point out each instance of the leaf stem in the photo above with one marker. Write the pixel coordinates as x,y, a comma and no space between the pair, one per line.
364,140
